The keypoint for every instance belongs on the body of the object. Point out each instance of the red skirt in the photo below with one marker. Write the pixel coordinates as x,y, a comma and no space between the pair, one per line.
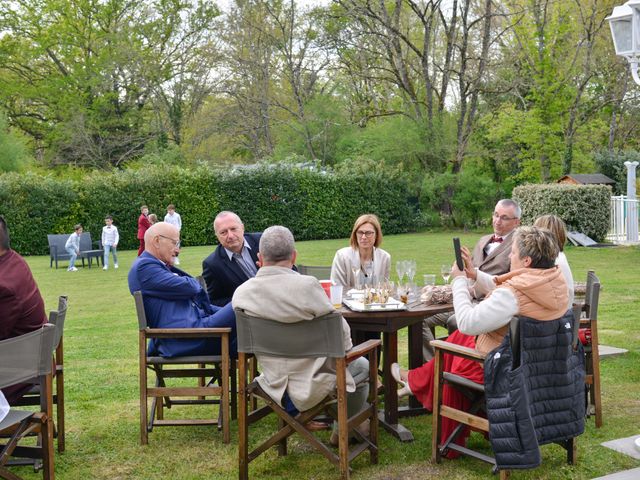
421,384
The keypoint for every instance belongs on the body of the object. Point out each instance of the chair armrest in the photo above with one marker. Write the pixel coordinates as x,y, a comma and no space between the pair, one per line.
361,350
186,332
458,350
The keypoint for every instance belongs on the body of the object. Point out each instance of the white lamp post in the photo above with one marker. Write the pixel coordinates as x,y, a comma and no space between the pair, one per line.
625,30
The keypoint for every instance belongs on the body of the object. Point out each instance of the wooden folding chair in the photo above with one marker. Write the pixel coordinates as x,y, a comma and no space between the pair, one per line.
475,416
23,359
589,325
232,369
57,318
320,337
210,367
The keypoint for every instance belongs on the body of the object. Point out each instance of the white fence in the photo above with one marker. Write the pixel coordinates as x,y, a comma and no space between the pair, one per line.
624,220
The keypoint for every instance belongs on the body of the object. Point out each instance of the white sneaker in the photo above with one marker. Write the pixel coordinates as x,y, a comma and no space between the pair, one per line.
115,266
72,269
105,267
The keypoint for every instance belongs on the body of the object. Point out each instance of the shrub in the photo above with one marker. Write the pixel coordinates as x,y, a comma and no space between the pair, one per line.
612,165
312,204
584,208
469,197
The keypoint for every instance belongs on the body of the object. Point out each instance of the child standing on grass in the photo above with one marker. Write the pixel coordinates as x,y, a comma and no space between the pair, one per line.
73,247
110,240
174,219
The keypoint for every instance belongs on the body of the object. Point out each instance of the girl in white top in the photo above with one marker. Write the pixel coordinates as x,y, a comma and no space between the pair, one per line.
363,260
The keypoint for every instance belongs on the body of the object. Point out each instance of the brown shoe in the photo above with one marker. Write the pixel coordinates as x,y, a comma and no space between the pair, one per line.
315,426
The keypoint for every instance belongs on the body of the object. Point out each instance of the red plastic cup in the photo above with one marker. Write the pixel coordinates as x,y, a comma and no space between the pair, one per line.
326,285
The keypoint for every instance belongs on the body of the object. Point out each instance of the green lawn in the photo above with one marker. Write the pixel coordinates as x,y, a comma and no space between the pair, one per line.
102,391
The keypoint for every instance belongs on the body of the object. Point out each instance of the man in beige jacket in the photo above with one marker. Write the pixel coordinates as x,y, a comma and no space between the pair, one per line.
281,294
490,255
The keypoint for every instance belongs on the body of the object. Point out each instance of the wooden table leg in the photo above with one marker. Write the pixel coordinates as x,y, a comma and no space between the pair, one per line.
389,418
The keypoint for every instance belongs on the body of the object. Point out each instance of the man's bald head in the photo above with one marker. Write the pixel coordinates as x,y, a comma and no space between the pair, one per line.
162,240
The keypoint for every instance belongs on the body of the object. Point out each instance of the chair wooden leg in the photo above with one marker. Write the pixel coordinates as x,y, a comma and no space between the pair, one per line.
572,450
343,430
373,402
201,380
48,472
60,397
282,444
224,398
233,393
437,395
144,436
243,427
596,398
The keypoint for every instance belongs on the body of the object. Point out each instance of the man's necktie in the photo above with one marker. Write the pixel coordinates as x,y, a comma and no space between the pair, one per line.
248,271
496,239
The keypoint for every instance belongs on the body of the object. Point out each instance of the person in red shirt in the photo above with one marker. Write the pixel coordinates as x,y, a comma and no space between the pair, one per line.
21,304
143,226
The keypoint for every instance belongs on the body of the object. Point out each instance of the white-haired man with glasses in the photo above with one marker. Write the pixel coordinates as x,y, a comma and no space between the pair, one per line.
173,298
490,255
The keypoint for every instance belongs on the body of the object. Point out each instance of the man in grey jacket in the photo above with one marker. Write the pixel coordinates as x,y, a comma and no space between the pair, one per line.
490,255
281,294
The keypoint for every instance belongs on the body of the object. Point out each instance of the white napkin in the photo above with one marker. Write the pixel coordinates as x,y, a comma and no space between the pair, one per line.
4,406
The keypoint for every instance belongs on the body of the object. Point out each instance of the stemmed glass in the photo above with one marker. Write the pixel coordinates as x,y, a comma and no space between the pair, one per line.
445,270
356,275
401,269
411,269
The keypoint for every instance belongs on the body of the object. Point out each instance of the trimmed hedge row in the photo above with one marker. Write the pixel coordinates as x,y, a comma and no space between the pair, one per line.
584,208
314,205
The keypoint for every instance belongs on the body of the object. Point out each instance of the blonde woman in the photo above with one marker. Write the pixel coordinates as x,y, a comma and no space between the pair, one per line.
556,226
362,259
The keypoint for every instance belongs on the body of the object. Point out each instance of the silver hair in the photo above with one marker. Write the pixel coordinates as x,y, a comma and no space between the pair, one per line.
276,244
226,213
507,202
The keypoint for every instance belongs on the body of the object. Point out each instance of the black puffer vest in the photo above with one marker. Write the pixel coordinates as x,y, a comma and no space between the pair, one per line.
534,391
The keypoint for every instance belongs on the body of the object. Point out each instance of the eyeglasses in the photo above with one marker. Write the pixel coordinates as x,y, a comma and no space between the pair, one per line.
176,243
503,218
367,234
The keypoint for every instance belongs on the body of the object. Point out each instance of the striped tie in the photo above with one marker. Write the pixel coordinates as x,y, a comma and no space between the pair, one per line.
248,271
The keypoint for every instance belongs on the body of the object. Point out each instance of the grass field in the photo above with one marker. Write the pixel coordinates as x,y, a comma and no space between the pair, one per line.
102,390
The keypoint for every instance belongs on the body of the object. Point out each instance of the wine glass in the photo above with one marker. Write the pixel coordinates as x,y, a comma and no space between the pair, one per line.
400,270
356,277
367,268
411,269
445,270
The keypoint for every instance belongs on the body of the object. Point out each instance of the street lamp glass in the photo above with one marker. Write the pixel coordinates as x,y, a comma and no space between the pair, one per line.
622,29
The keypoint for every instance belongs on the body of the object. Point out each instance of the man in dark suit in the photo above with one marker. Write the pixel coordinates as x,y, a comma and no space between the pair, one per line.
233,262
490,255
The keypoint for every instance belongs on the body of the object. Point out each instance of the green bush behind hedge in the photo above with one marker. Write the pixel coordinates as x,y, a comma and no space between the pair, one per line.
584,208
314,205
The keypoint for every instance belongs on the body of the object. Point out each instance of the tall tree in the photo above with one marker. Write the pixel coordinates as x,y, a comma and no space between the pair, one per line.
78,75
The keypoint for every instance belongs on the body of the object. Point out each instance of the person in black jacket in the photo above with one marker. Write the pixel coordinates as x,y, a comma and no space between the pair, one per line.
233,262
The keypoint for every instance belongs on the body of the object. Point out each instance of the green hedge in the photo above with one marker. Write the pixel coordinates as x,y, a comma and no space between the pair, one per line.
313,205
584,208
